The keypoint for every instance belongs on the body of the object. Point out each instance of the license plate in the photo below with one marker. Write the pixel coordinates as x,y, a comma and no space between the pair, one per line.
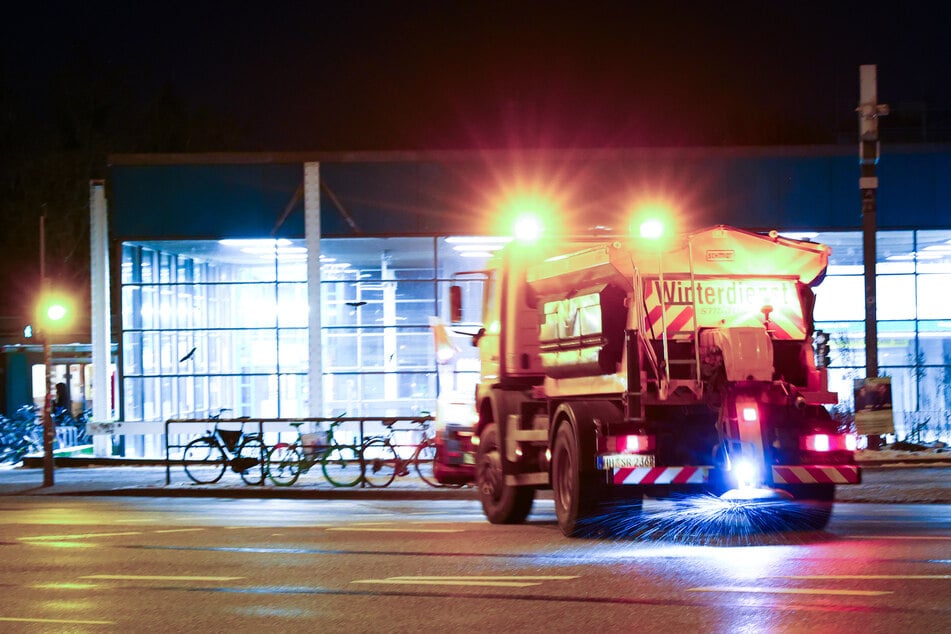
627,460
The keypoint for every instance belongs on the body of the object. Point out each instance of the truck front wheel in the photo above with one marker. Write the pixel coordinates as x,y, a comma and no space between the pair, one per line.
501,504
576,494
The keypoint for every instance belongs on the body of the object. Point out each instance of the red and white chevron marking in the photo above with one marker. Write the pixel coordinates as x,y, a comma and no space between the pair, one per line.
839,474
786,320
661,475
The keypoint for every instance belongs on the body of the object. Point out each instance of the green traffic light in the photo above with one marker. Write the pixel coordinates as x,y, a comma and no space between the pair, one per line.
56,312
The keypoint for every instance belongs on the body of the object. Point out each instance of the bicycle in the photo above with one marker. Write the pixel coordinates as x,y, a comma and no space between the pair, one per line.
340,463
21,435
206,458
383,463
65,423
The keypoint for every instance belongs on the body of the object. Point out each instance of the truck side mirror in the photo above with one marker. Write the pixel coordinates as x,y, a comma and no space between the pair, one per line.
455,304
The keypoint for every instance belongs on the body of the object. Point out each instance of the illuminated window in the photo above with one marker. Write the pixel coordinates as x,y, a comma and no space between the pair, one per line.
212,324
914,323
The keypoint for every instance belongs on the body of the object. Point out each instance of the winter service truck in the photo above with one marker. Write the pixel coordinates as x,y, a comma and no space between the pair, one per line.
633,368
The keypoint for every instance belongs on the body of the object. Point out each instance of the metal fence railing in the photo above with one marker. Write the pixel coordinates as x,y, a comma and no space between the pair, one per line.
353,431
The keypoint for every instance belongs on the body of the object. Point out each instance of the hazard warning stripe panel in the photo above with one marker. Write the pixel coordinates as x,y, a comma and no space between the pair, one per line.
661,475
716,308
834,474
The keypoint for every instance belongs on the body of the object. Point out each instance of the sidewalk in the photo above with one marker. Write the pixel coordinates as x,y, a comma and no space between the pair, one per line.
901,483
150,478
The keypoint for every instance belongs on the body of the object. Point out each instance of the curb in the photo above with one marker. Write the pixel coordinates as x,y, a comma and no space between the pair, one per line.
268,493
36,462
79,484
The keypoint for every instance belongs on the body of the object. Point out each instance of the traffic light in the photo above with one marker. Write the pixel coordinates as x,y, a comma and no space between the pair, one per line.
55,312
822,348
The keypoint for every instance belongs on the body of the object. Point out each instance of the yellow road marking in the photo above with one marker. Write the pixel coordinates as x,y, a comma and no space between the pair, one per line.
819,591
498,582
76,536
158,578
12,619
434,582
493,578
383,529
180,530
858,577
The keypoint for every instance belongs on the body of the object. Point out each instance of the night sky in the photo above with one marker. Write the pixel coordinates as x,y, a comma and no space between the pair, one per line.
354,75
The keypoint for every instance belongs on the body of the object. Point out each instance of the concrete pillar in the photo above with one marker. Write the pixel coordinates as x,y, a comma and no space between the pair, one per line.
100,312
312,238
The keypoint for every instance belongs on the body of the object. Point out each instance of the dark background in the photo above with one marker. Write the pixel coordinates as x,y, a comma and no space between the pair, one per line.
80,81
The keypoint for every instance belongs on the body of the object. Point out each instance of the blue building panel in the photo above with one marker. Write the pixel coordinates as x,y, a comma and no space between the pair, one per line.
387,198
203,201
906,194
758,188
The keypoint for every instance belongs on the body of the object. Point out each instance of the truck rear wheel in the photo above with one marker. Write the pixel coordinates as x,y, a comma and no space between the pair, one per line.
811,508
501,504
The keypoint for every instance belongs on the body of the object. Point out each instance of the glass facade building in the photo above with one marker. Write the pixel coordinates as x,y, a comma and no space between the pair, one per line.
208,316
223,324
913,275
219,324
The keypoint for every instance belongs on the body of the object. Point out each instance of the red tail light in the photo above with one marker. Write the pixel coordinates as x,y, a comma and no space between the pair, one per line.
635,443
828,442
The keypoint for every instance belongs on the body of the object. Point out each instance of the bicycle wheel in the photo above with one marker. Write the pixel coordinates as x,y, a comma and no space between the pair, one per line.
204,460
380,463
284,464
341,466
251,454
423,461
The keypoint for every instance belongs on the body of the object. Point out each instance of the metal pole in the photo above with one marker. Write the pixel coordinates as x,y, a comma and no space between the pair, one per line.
663,321
49,432
869,112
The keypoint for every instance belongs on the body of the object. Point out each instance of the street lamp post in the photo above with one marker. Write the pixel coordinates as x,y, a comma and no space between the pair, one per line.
48,432
55,312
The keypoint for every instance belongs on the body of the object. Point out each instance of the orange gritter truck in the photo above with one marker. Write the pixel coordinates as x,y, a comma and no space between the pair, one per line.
632,368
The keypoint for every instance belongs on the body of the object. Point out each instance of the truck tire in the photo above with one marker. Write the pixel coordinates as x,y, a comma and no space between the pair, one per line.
577,495
501,504
811,508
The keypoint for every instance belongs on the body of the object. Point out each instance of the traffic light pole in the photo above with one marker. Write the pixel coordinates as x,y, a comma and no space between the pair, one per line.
869,112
